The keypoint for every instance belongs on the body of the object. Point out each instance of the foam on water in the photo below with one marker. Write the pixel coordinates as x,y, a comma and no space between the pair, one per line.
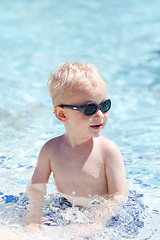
132,220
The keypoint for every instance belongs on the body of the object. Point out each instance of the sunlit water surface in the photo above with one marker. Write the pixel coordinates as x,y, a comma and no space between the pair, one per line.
122,39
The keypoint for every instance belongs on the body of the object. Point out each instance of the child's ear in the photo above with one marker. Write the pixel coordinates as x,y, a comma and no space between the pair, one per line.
60,114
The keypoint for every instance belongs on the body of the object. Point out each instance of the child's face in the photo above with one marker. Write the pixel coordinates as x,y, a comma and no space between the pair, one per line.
83,126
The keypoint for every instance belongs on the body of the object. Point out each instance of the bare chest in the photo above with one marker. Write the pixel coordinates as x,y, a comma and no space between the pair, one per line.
83,173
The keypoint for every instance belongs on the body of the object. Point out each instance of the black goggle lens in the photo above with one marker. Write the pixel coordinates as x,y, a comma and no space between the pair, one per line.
106,105
92,108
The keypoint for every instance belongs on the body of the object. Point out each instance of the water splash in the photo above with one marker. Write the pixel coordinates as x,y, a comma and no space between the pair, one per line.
66,221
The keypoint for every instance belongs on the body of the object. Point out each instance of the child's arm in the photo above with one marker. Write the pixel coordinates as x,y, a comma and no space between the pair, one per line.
116,182
115,171
43,168
37,187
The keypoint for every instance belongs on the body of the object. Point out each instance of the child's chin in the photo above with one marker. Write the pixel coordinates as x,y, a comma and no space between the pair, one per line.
97,134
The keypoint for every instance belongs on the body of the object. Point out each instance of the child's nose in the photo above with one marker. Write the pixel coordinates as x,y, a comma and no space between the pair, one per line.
99,114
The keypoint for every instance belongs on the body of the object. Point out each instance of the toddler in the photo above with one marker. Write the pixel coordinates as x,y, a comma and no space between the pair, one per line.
83,162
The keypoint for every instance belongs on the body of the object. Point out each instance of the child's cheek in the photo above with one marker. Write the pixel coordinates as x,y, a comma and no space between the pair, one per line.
106,115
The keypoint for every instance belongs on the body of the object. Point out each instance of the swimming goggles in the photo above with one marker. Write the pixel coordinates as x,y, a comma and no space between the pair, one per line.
89,109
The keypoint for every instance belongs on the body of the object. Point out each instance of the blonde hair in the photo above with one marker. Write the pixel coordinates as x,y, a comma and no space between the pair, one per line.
68,76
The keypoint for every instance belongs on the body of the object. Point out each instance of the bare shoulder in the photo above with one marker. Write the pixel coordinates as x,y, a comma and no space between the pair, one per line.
43,167
108,145
51,145
110,149
48,149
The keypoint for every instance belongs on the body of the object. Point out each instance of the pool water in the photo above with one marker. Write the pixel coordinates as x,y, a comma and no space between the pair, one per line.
121,38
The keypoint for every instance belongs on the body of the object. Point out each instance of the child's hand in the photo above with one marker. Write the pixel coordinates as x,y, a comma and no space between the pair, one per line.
33,227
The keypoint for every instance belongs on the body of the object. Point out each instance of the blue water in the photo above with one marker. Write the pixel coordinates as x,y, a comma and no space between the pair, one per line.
122,39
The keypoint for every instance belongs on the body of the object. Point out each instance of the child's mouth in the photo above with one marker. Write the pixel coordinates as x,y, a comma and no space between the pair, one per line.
96,126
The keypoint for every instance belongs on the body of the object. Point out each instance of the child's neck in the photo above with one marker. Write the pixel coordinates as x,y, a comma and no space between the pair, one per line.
75,141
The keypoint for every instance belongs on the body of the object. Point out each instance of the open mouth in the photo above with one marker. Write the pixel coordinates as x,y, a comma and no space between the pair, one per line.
98,126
